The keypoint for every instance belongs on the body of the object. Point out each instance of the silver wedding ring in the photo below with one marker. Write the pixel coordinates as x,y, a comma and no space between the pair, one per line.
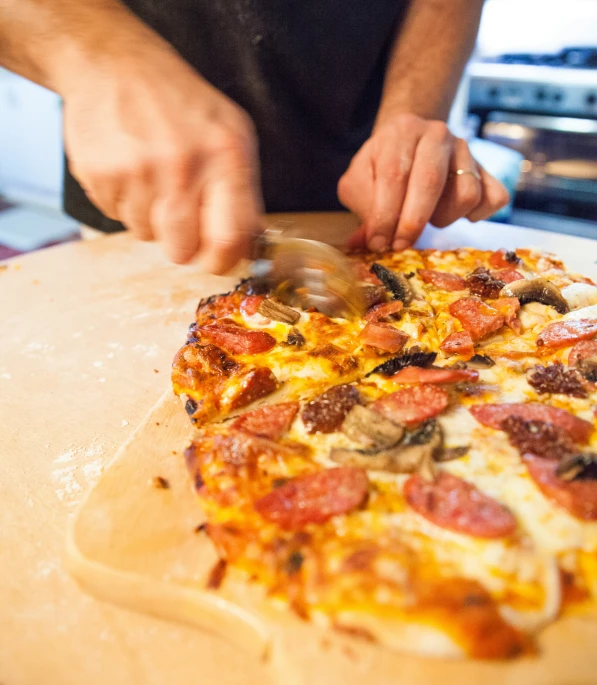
462,172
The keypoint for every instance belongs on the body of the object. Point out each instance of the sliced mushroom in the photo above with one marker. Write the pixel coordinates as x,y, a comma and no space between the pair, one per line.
588,368
451,453
578,467
536,290
413,455
371,430
278,311
412,357
396,283
480,361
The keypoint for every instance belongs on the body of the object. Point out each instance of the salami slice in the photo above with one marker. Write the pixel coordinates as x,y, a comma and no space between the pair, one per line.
508,307
384,311
492,415
314,498
459,343
579,497
566,333
478,318
585,349
257,383
502,259
236,339
415,374
412,405
384,337
454,504
250,304
508,275
268,422
442,279
326,413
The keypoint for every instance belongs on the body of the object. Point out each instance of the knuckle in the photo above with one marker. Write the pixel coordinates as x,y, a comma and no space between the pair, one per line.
439,130
469,194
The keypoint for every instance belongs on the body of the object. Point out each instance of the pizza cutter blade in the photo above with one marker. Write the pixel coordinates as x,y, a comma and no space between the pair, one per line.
307,273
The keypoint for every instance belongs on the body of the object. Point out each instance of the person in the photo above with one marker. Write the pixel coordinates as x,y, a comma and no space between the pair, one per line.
185,120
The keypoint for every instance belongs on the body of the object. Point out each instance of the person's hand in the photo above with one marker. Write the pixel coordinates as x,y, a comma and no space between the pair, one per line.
157,147
404,177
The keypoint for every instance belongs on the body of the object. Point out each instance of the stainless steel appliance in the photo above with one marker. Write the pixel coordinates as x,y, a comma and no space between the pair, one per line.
545,106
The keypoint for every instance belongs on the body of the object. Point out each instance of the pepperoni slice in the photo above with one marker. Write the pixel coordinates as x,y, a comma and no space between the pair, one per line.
326,413
257,383
363,273
459,343
508,275
478,318
508,307
384,337
579,497
452,503
268,422
384,311
492,415
585,349
442,279
236,339
565,333
315,498
250,304
412,405
414,374
502,259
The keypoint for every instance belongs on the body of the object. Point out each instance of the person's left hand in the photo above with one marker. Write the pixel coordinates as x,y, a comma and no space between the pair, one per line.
404,177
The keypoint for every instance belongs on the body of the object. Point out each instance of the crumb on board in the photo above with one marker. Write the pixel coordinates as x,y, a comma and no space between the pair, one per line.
200,528
174,452
160,482
216,575
156,370
157,423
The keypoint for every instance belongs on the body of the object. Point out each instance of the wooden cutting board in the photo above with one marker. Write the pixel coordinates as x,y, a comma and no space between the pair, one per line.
135,544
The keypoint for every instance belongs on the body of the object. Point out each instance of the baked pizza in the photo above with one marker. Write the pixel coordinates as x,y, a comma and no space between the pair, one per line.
425,476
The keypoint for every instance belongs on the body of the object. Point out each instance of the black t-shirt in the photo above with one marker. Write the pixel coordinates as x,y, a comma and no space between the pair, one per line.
309,73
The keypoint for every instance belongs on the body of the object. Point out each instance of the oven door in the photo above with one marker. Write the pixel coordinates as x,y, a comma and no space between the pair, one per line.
559,171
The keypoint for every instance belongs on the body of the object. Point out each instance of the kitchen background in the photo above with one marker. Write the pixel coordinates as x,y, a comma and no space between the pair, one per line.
531,86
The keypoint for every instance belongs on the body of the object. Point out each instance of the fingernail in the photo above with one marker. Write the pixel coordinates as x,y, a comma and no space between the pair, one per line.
378,243
400,244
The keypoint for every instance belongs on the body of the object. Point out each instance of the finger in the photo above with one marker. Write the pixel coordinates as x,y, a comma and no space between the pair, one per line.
462,192
357,241
355,187
175,222
425,184
392,169
495,196
134,210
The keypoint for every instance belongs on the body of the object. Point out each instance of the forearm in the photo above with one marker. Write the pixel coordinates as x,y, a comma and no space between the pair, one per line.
428,57
52,42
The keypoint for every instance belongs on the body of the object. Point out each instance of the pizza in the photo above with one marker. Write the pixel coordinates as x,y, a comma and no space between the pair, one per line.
424,476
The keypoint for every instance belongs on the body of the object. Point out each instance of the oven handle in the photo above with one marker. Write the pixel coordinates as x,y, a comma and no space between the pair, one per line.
563,124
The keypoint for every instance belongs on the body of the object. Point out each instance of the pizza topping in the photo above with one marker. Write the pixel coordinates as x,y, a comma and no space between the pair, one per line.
565,333
555,378
414,454
384,337
278,311
503,259
483,284
458,343
579,295
295,338
256,384
371,430
326,413
537,437
250,305
412,374
412,357
536,290
412,405
387,311
454,504
396,283
492,415
583,356
253,286
364,274
236,339
478,318
315,498
271,421
442,279
508,275
373,294
451,453
579,497
508,307
581,466
481,361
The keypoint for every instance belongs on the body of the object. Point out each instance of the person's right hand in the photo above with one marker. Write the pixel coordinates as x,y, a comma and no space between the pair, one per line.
158,148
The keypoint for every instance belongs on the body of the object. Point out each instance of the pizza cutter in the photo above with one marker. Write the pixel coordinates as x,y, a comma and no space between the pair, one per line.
306,273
